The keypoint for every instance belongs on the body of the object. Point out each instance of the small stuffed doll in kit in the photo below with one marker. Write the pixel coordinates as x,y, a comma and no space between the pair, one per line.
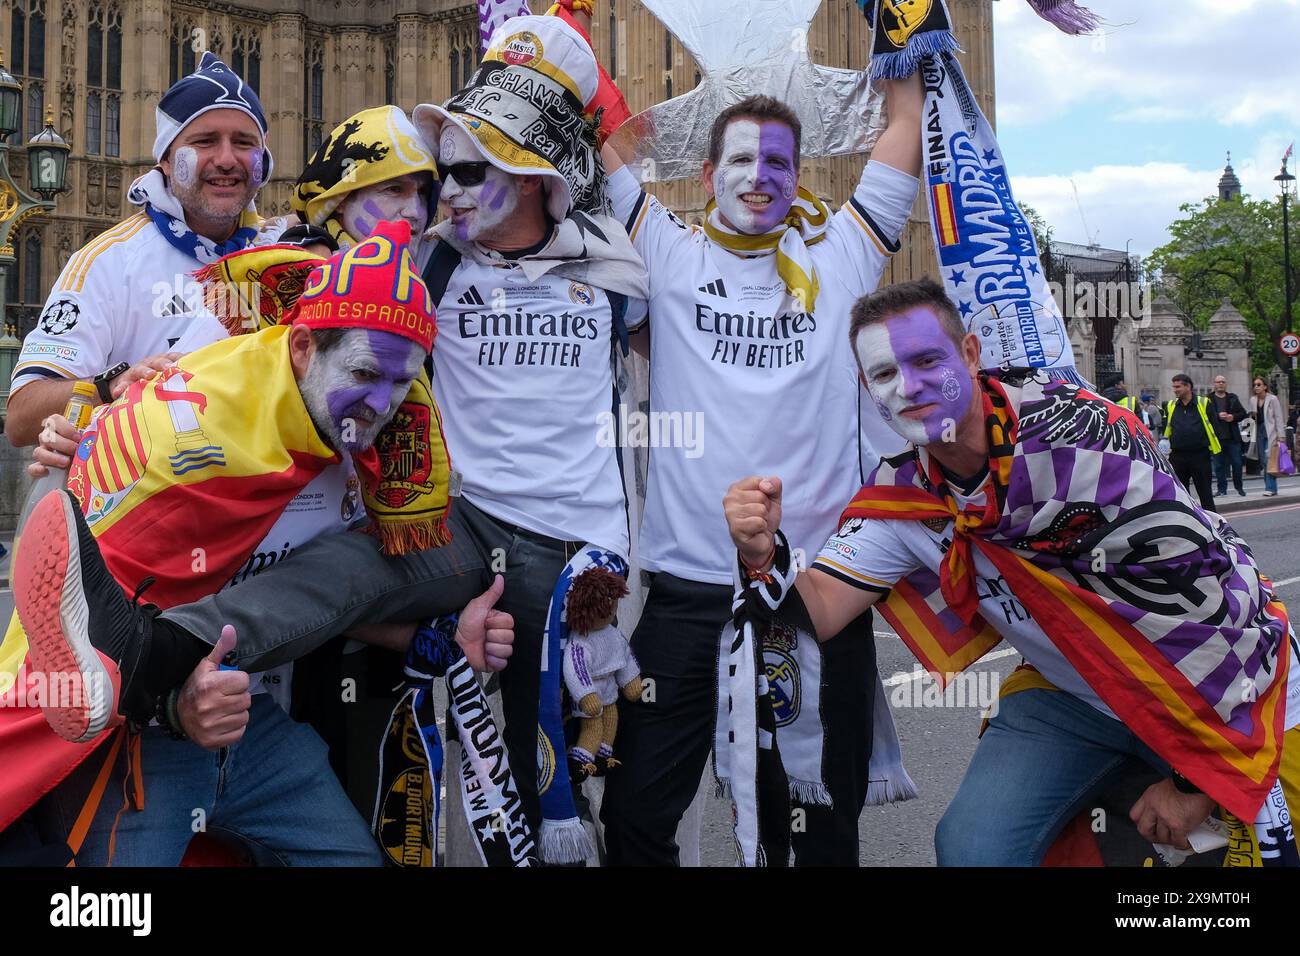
597,664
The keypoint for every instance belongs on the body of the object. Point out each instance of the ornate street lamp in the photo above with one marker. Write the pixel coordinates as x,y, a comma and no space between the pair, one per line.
47,159
1285,179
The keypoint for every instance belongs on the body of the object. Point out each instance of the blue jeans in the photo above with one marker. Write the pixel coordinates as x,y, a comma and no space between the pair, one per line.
273,791
1270,482
1043,756
1230,457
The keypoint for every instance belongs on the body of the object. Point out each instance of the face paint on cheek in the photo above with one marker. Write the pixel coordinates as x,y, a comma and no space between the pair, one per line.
255,167
185,166
447,145
940,382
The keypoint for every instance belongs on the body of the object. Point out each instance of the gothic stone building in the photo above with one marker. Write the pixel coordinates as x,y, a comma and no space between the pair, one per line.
103,64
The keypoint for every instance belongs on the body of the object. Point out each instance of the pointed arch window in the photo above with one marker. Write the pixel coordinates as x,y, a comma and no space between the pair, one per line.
103,80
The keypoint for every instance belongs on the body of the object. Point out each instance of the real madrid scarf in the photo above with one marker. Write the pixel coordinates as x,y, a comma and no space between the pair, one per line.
987,253
407,803
769,739
804,226
405,475
373,146
563,838
151,192
1156,603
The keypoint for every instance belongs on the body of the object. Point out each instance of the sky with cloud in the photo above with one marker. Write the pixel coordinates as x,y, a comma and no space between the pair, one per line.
1139,118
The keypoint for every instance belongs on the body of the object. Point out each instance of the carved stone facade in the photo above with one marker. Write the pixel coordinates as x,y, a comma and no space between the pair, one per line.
1149,352
314,62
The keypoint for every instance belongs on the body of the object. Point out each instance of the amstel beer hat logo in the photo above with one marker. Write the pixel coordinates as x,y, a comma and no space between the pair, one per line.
521,49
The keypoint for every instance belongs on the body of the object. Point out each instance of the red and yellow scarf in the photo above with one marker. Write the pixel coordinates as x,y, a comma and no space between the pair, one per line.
1229,747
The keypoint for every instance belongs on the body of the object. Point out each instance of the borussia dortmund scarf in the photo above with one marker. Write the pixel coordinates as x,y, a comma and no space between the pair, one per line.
987,253
1186,643
563,838
371,147
151,192
407,803
803,227
404,475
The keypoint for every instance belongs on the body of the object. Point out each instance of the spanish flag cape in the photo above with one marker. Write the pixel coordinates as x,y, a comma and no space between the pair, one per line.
1157,604
180,479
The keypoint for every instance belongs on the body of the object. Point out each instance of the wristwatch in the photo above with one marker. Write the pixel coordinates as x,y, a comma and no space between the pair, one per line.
104,380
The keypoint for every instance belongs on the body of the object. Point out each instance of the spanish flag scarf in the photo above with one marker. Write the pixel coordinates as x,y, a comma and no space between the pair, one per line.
803,227
405,474
1157,604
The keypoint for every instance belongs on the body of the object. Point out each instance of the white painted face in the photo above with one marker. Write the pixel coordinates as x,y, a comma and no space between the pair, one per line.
756,176
353,389
402,197
480,212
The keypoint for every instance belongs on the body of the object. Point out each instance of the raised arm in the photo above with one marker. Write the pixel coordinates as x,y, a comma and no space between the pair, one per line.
899,145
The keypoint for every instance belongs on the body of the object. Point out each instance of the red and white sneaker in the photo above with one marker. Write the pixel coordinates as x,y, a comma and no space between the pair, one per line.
83,634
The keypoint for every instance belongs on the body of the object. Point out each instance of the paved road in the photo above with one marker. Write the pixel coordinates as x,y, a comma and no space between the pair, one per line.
938,741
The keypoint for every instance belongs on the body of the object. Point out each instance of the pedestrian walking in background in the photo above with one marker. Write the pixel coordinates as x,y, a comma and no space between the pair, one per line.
1227,413
1191,438
1270,427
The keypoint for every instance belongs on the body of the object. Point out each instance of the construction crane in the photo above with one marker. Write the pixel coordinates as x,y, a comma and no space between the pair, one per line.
1092,237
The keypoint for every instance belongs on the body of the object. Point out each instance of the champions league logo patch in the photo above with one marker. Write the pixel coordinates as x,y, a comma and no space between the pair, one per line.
60,317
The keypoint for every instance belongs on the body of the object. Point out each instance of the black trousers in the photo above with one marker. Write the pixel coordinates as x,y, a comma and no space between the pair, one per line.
664,743
1194,467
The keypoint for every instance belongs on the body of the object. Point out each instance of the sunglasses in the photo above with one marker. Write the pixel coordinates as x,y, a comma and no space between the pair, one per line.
466,174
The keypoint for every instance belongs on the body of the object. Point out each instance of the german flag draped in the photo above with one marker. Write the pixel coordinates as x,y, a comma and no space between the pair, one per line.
1186,642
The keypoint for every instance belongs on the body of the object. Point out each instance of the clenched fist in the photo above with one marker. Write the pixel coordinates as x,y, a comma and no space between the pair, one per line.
753,509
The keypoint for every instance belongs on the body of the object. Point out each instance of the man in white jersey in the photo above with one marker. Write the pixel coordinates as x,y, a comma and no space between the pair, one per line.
124,300
749,332
1039,513
531,294
332,375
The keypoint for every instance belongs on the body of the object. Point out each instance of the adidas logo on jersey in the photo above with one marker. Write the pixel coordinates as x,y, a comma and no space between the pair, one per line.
715,288
471,298
177,306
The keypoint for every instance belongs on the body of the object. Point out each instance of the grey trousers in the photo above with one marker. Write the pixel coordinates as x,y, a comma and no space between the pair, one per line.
342,580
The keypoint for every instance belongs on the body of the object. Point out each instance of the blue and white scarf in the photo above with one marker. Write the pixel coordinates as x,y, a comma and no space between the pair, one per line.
162,206
987,252
563,837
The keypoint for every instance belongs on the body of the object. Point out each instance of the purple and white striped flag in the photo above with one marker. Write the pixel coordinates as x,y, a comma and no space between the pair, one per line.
493,13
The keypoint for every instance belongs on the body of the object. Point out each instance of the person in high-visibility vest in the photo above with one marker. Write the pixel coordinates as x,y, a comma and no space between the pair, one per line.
1191,438
1139,408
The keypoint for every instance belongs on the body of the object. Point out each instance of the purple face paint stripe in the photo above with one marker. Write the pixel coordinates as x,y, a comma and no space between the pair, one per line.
916,337
777,180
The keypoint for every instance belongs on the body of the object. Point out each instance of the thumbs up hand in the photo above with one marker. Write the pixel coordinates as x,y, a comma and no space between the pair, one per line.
213,704
486,635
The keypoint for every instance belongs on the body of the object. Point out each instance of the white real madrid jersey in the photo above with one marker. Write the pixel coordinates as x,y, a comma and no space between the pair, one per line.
124,296
768,390
523,376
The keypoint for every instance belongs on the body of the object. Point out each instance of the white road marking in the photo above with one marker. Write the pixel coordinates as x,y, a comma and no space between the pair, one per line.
903,677
1282,584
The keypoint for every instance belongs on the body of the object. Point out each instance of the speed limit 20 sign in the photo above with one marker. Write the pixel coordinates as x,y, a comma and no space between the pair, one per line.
1290,343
